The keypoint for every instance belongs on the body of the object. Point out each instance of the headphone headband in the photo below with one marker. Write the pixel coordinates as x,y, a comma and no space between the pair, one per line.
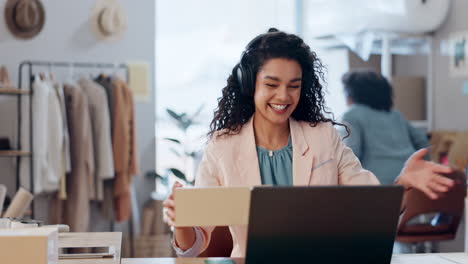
244,71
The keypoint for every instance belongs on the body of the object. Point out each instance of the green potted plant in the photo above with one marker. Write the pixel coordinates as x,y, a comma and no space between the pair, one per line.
180,147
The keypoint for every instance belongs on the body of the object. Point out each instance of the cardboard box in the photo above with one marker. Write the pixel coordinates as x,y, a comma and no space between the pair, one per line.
409,96
5,223
109,244
441,143
216,206
29,245
458,152
154,246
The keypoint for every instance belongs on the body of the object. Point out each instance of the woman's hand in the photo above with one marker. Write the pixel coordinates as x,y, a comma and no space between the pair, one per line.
184,237
424,175
169,206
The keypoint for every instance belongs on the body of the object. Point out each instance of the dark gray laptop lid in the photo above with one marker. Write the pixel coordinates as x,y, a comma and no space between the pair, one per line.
330,224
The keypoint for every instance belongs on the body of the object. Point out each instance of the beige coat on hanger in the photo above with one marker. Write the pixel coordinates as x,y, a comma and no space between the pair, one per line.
75,211
124,147
101,134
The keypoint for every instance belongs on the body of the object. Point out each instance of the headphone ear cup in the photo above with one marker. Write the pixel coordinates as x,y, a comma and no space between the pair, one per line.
245,79
239,77
249,80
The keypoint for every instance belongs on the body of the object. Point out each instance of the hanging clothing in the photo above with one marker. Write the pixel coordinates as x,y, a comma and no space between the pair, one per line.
65,157
76,209
106,83
124,147
107,208
102,143
48,137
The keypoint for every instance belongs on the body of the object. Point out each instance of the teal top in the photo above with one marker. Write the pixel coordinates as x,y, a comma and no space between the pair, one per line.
276,165
382,141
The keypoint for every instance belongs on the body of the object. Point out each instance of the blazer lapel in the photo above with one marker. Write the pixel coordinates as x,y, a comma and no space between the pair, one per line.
247,159
302,156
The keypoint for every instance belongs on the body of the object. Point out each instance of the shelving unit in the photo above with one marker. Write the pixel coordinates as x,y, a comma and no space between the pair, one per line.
18,152
13,91
14,153
408,45
423,124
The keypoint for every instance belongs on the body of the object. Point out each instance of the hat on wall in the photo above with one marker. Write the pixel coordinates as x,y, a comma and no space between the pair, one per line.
108,20
24,18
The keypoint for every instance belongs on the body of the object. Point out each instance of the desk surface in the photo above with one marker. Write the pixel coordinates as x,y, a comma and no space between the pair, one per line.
449,258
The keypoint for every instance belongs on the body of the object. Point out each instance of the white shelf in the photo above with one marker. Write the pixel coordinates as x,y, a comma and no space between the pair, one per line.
423,124
388,44
13,91
14,153
401,44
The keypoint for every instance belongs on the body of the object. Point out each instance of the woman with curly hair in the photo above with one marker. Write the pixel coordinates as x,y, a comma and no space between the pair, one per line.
271,127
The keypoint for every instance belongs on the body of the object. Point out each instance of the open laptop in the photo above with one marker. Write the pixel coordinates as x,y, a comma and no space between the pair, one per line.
339,224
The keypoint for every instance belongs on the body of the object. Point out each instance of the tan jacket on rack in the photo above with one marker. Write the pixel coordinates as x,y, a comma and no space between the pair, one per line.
124,147
76,209
101,132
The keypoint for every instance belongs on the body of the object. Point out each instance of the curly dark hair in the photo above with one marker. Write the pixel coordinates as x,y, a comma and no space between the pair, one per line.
367,87
235,109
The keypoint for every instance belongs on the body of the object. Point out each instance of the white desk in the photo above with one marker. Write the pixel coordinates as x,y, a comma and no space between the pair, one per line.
449,258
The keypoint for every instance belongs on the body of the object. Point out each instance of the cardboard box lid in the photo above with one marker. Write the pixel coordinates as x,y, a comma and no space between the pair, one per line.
215,206
39,244
28,232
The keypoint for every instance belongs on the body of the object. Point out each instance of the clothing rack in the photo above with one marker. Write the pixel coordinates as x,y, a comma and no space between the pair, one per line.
30,65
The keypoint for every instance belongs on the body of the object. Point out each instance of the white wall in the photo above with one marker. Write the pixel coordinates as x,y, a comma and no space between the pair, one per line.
66,37
450,104
336,63
196,52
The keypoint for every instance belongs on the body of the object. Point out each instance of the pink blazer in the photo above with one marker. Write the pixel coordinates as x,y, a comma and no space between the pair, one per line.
319,158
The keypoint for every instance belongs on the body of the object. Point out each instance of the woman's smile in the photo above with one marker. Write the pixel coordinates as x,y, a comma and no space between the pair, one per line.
279,108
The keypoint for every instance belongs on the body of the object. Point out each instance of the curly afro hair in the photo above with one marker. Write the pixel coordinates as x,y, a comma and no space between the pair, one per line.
367,87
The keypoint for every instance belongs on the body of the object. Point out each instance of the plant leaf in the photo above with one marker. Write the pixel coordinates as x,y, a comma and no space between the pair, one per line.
173,150
178,173
186,124
192,154
173,140
179,119
173,114
198,111
153,174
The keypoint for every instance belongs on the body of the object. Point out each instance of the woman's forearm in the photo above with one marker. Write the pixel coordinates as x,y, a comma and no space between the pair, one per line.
405,192
184,237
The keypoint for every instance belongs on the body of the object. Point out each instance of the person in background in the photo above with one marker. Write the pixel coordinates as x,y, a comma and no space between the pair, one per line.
379,136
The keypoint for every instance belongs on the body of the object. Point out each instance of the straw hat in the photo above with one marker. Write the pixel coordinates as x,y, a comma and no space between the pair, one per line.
108,20
24,18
